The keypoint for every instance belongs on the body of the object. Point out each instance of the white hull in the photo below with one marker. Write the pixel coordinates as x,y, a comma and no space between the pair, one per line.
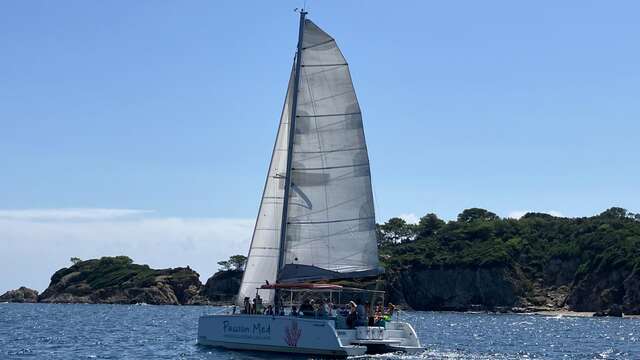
302,335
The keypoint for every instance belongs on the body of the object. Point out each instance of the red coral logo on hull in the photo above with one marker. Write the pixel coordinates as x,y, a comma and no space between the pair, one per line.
292,334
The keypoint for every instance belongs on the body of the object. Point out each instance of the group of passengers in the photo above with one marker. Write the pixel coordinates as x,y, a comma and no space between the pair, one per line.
355,313
257,308
360,314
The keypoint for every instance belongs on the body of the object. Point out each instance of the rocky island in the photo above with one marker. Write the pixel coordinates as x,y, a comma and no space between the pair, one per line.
477,262
117,280
21,295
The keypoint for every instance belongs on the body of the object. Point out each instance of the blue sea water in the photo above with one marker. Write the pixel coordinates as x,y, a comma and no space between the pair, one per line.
56,331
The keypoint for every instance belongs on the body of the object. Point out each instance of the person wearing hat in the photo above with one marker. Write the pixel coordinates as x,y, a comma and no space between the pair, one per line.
388,312
352,317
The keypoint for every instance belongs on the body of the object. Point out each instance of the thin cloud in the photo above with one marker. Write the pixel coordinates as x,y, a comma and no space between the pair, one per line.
32,249
410,218
70,214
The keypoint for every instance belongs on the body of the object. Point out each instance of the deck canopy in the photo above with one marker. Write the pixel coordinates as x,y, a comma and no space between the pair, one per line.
305,286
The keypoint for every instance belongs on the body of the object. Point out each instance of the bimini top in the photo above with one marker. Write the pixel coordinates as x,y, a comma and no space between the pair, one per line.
303,286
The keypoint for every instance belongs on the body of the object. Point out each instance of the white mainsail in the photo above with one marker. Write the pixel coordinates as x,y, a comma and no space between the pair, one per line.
330,225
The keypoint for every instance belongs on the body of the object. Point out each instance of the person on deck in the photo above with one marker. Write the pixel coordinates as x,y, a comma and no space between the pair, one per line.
323,309
306,308
247,306
352,316
378,316
361,314
269,310
388,313
294,311
327,308
258,302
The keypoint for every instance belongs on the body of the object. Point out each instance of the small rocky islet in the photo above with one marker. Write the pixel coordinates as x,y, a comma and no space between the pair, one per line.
478,262
118,280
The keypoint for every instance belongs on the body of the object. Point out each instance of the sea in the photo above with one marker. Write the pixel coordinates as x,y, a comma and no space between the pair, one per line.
77,331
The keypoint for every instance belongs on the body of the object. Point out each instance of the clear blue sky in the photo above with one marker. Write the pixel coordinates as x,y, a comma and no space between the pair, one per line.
172,106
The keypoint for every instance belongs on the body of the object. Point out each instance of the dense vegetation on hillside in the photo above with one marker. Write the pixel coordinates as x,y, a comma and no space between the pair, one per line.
585,264
119,280
479,238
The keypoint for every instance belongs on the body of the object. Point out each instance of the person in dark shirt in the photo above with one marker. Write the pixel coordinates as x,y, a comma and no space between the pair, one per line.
352,316
306,308
367,309
361,314
247,306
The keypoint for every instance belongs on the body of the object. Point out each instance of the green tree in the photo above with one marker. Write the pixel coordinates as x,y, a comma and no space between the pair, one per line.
238,262
615,213
235,262
74,260
224,265
396,230
473,214
429,225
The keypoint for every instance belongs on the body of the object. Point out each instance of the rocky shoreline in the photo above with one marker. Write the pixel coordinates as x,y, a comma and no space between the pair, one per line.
479,262
117,280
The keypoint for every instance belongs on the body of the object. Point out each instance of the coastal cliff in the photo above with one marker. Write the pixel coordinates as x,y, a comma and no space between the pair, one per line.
537,262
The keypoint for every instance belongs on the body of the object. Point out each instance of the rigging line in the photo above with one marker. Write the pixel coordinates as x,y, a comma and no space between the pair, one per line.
320,65
342,123
330,221
329,151
333,96
331,69
318,44
349,230
327,115
331,167
336,205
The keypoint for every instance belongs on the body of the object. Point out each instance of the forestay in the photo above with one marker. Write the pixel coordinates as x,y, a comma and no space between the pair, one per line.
263,260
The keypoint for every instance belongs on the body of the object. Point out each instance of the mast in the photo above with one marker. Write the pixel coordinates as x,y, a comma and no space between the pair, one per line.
292,127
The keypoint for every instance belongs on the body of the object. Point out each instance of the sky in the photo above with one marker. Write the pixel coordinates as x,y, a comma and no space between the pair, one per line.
145,128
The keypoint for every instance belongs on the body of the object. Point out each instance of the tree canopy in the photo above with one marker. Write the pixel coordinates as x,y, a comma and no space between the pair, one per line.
480,238
235,262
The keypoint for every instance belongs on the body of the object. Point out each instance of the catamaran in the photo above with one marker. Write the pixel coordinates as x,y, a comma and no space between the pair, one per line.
316,221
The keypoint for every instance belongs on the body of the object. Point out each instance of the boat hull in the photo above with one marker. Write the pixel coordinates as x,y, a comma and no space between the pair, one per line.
274,333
